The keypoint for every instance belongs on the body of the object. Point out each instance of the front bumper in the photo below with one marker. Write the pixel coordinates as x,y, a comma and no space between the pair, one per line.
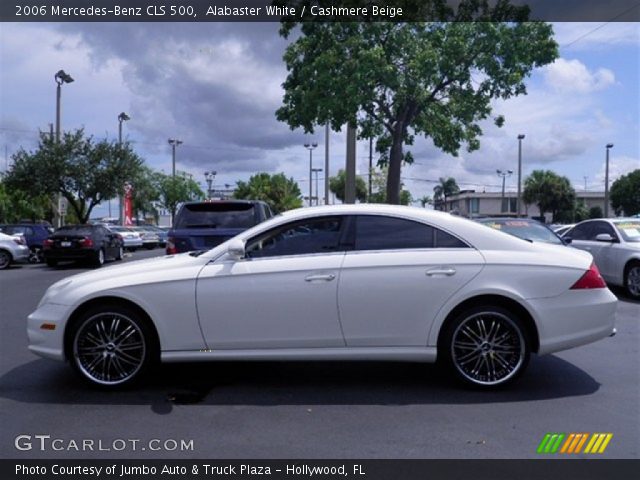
48,343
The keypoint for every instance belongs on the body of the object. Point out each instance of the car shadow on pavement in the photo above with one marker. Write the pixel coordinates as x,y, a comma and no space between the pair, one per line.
292,383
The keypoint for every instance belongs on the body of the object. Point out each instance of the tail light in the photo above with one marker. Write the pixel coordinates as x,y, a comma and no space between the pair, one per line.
590,279
171,246
86,242
48,243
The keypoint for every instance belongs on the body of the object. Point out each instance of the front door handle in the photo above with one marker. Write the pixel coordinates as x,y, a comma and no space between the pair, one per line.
448,271
320,278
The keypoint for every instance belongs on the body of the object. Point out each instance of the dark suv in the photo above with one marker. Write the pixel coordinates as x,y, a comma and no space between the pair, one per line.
34,234
204,225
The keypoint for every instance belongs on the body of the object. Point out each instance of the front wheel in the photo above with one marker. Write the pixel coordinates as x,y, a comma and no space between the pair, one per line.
111,346
120,253
485,347
632,280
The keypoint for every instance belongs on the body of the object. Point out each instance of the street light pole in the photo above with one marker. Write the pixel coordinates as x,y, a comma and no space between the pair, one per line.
310,147
504,174
519,200
174,142
326,164
606,182
60,77
123,117
210,176
316,171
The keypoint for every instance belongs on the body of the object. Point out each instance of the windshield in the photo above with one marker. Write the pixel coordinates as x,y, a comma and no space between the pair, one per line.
630,231
216,215
536,232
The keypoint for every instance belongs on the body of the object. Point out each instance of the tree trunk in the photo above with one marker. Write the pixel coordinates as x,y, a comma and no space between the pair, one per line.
395,163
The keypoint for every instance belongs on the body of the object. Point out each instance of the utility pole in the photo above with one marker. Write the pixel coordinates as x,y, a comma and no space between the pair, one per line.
606,182
310,147
174,142
519,199
326,163
504,174
350,168
370,168
60,77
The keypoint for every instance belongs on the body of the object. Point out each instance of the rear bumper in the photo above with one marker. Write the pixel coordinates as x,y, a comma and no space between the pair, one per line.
20,253
574,318
71,254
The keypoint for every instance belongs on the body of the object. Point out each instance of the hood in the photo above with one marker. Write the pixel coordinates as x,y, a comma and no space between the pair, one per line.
109,279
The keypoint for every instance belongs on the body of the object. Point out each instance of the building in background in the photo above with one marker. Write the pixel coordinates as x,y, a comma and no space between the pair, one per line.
472,204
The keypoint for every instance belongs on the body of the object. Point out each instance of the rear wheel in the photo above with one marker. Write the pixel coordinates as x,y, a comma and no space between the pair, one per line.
632,280
485,347
120,253
111,346
99,260
5,259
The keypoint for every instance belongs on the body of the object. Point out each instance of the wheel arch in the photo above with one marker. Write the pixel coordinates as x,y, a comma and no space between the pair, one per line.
499,301
102,301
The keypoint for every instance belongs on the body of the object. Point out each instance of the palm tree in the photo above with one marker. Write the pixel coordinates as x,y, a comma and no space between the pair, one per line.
446,188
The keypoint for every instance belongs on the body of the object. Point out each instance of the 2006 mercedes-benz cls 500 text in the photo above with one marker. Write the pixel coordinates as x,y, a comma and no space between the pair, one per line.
333,283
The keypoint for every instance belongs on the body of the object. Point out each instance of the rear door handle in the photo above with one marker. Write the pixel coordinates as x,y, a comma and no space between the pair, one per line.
448,271
320,278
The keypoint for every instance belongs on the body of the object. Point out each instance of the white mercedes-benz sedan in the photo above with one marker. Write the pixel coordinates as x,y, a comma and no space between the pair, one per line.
348,282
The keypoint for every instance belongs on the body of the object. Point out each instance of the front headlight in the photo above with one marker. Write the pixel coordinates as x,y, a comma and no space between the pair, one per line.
51,292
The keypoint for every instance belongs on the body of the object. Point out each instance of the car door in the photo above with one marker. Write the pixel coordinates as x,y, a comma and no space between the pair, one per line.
583,237
283,294
397,277
605,253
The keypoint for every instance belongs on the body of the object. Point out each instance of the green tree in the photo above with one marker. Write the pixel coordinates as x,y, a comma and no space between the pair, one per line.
425,200
625,194
338,184
581,212
20,205
596,212
379,193
84,171
550,192
445,189
398,80
280,192
176,190
146,192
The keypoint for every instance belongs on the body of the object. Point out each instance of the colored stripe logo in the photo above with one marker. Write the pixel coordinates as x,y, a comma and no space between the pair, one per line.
574,443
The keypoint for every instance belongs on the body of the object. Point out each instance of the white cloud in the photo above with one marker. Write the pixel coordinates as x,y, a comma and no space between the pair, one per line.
574,76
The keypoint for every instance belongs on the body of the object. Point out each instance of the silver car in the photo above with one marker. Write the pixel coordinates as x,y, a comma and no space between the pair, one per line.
131,239
615,246
12,249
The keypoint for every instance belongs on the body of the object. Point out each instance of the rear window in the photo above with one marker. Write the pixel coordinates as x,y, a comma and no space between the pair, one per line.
216,215
536,232
74,230
630,231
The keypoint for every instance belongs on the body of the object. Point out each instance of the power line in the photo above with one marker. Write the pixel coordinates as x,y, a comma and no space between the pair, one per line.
600,26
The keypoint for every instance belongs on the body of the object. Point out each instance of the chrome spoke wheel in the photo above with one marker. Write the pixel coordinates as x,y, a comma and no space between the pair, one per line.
633,280
487,348
5,259
109,348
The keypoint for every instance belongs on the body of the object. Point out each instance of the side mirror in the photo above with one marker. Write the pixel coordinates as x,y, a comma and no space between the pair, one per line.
236,249
567,240
605,237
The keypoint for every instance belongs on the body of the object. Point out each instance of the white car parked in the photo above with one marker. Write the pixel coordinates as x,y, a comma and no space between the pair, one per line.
615,246
347,282
13,248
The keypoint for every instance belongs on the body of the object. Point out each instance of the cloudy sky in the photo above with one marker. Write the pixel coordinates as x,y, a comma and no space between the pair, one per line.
216,86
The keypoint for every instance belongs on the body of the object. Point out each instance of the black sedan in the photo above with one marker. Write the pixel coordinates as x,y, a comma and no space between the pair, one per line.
524,228
90,243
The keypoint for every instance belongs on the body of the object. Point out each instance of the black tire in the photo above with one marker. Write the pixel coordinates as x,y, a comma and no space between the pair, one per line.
111,346
99,260
120,254
485,347
632,280
51,263
5,259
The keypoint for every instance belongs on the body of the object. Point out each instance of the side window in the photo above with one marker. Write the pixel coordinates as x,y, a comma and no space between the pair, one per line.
444,240
375,232
601,227
317,235
581,232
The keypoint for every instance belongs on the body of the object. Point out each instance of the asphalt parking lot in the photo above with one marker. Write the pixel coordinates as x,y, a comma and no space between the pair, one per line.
309,410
